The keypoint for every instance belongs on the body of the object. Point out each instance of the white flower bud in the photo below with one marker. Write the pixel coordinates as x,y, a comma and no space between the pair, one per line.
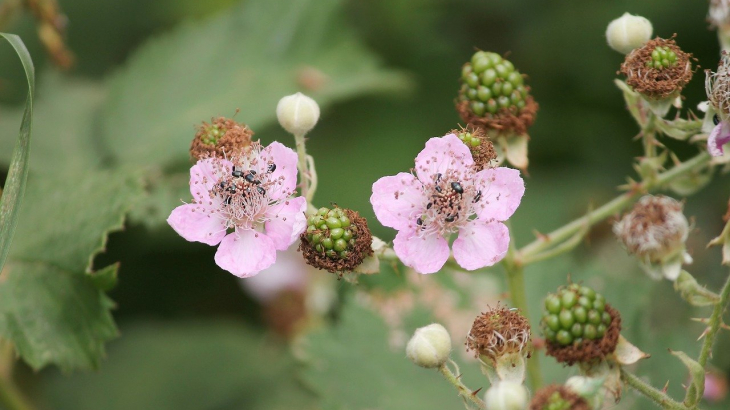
506,395
628,32
297,113
430,346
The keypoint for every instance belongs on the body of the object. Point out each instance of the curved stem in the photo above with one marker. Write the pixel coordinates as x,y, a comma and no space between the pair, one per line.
658,396
465,392
554,238
302,164
714,324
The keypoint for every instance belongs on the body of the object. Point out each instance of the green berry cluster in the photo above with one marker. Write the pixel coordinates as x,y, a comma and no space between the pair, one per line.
329,232
469,139
212,135
557,402
662,57
573,314
491,83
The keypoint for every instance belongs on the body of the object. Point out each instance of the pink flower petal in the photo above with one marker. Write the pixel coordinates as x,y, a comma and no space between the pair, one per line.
440,154
286,169
425,255
502,190
481,244
397,200
245,253
197,223
719,136
203,177
287,221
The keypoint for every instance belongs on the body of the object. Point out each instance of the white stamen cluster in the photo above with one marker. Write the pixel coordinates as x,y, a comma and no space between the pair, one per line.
655,228
717,86
241,188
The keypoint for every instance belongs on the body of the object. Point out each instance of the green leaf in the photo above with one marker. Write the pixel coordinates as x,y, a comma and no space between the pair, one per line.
697,376
185,365
65,129
378,376
18,172
247,58
52,303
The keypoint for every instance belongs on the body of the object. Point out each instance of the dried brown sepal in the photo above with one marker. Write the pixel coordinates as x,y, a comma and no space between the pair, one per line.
543,398
657,84
484,153
362,249
498,331
588,350
507,120
235,137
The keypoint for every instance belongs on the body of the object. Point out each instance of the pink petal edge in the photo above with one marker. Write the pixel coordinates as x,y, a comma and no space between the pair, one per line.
424,255
285,160
397,200
286,222
502,190
481,244
440,154
245,253
719,136
195,223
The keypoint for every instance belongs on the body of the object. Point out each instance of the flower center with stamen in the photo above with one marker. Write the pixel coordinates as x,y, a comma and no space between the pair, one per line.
450,204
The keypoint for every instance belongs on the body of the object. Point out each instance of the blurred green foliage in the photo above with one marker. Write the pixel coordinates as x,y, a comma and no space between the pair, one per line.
147,72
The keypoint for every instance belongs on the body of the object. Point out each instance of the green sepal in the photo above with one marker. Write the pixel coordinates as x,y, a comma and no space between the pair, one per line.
692,292
697,379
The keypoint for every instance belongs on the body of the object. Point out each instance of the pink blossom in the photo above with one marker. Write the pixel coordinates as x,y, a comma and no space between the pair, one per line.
719,136
446,195
244,204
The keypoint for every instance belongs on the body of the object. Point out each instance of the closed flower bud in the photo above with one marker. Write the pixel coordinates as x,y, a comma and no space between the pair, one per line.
430,346
506,395
655,231
297,113
628,32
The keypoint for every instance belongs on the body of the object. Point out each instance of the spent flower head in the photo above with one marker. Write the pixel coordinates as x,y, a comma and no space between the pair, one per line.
244,204
481,147
220,138
659,70
446,195
655,230
717,86
497,332
557,397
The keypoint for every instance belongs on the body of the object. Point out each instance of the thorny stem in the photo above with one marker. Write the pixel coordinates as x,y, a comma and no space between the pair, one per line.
464,392
658,396
529,252
714,324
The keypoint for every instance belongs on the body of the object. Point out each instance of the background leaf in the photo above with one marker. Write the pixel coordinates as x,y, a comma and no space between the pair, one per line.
191,365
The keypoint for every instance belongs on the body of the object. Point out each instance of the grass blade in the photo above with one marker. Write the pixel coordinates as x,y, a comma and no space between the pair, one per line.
18,171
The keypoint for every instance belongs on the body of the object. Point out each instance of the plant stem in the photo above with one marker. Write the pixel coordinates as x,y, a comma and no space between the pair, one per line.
464,391
516,284
658,396
10,396
554,238
714,324
305,165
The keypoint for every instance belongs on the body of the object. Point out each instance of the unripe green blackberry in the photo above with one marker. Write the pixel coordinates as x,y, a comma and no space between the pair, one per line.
555,397
578,325
659,70
221,138
336,239
662,57
493,95
482,149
